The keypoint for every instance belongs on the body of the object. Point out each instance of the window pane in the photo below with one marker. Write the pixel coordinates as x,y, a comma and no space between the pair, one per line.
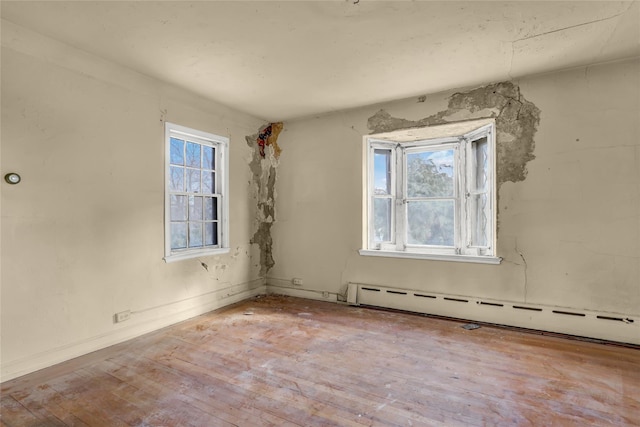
208,159
208,182
479,220
482,164
195,208
178,235
178,208
382,171
195,234
177,152
193,180
211,208
381,220
210,233
176,178
479,209
430,174
193,155
431,222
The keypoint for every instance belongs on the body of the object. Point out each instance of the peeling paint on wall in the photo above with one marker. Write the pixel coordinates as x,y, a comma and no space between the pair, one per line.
263,167
516,123
268,136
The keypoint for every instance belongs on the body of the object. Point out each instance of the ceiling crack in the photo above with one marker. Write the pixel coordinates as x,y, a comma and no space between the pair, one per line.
513,53
606,43
568,28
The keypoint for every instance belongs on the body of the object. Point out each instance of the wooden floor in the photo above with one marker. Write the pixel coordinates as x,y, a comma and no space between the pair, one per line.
286,361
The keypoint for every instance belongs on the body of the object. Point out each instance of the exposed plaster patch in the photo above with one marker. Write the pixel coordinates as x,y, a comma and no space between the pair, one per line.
382,122
516,123
462,115
262,238
263,166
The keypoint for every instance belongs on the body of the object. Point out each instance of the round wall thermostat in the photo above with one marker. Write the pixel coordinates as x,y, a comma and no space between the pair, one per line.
12,178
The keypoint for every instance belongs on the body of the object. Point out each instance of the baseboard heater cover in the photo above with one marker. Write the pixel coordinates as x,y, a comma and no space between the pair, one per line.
585,323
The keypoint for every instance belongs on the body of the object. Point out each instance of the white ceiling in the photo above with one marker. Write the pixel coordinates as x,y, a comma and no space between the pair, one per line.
281,60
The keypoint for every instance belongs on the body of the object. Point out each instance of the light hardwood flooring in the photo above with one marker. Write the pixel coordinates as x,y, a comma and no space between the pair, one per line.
285,361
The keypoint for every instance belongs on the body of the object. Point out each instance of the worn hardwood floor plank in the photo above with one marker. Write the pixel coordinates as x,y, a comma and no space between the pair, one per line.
13,413
281,361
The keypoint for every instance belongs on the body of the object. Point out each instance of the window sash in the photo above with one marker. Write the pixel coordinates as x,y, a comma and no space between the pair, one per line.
202,233
473,246
408,200
390,172
192,238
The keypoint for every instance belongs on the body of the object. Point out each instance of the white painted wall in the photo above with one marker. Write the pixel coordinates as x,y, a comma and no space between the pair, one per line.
83,233
575,219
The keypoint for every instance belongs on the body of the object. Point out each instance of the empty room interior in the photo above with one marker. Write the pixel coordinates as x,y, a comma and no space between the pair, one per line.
320,213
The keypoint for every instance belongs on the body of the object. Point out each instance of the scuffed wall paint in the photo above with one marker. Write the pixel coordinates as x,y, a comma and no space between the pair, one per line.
263,167
516,123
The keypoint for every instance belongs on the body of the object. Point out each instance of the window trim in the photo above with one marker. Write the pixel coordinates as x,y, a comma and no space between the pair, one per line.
460,137
221,144
484,259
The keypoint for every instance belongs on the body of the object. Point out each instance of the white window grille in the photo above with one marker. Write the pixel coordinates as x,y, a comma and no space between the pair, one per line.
196,193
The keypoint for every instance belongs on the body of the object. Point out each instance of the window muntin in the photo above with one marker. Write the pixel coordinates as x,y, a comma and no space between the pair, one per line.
195,193
431,196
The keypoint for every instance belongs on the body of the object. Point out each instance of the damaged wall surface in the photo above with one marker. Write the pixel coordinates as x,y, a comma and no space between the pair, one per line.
569,198
263,165
516,122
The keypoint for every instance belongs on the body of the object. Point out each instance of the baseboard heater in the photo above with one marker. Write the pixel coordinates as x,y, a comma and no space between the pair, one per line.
584,323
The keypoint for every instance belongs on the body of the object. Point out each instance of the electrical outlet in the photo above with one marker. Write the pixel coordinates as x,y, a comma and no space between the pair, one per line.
325,294
122,316
297,281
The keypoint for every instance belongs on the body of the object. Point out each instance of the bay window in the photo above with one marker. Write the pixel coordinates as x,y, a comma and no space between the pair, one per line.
430,193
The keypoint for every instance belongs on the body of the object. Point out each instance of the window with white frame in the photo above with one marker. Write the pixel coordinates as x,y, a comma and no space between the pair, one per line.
196,193
430,193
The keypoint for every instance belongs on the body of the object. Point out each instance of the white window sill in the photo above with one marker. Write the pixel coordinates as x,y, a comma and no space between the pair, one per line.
195,254
434,257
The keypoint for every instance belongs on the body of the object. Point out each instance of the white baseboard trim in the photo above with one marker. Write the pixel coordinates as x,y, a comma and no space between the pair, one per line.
141,323
285,287
624,328
617,327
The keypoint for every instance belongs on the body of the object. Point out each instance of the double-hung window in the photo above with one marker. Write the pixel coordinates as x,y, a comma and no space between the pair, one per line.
430,193
196,193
